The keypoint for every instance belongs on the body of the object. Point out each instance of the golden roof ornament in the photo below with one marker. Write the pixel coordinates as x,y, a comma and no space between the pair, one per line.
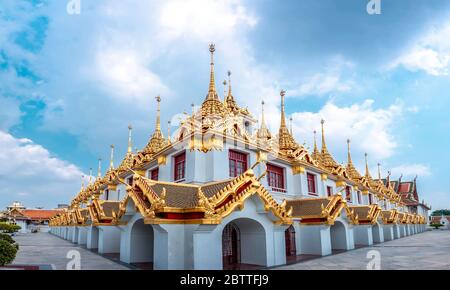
111,161
352,171
326,159
90,176
263,132
212,104
286,142
316,153
157,140
229,100
99,170
168,132
130,144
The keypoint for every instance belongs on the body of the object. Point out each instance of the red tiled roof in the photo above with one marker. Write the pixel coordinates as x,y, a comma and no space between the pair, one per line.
39,214
404,187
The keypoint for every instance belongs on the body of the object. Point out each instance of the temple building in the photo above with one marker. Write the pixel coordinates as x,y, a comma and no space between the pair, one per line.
223,192
28,219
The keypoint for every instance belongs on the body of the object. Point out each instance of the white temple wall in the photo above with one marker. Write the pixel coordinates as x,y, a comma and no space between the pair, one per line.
82,235
388,232
377,233
108,239
92,237
363,235
75,232
314,240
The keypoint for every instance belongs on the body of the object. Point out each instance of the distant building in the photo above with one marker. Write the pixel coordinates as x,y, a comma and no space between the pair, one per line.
442,219
28,219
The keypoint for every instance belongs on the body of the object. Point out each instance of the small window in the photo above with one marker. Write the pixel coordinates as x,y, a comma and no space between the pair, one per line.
311,183
370,198
107,194
275,176
179,167
348,193
154,173
358,194
237,163
329,190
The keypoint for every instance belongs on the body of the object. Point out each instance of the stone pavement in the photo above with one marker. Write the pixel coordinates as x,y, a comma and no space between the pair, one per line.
429,251
47,249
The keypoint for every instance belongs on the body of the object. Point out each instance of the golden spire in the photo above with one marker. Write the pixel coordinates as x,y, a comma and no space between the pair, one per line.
349,157
212,84
99,171
229,102
379,172
324,145
158,111
353,173
224,91
263,132
168,132
290,125
229,84
283,117
367,166
316,153
111,161
326,158
130,145
82,182
212,105
90,176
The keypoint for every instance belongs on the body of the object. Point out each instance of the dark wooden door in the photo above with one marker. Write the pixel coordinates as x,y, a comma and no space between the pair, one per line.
230,245
289,236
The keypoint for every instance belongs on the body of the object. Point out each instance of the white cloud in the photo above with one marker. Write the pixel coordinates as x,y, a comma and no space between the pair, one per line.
431,53
29,169
332,80
411,170
370,129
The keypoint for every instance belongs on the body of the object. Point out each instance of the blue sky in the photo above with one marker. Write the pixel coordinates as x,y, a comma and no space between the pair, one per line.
71,84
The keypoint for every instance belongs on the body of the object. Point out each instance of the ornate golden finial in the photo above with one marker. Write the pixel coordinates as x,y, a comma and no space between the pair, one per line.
168,132
379,171
90,176
158,111
349,157
111,161
99,171
316,153
290,124
229,83
82,182
324,145
130,145
283,118
192,108
212,85
225,91
263,132
367,165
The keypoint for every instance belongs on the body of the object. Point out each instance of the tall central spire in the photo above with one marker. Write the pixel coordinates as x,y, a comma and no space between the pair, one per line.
349,157
212,104
354,174
212,83
263,131
367,166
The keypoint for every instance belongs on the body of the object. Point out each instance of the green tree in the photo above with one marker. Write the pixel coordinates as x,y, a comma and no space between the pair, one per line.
7,252
441,212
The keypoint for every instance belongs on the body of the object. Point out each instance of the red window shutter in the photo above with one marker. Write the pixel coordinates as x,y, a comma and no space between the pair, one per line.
370,198
348,193
275,176
329,190
154,174
237,163
311,178
179,166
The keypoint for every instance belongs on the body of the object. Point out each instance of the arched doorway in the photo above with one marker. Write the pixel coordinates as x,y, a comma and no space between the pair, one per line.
142,245
289,237
244,245
338,237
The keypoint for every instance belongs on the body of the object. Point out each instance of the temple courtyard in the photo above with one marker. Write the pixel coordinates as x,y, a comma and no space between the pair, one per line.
428,250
